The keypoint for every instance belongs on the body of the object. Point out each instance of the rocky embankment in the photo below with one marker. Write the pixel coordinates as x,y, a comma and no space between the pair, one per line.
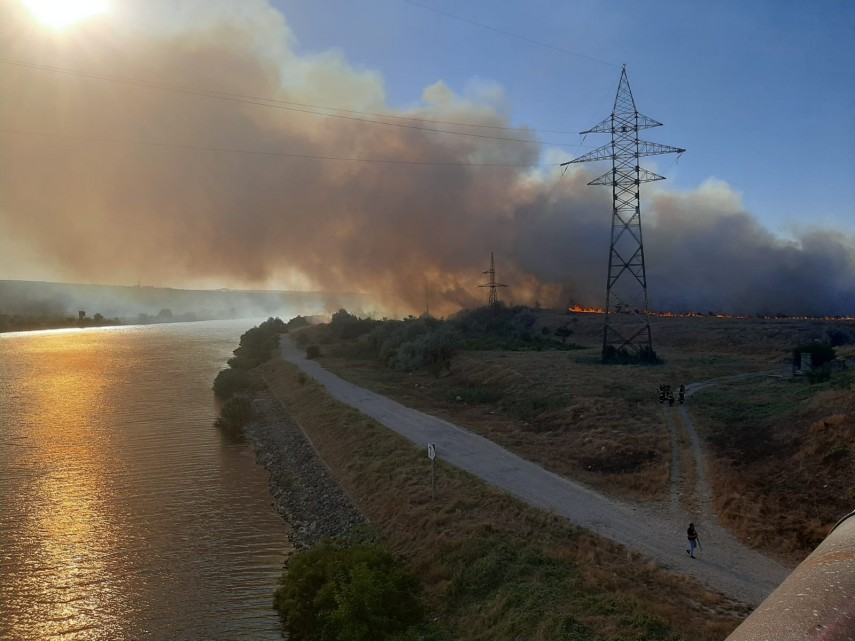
303,490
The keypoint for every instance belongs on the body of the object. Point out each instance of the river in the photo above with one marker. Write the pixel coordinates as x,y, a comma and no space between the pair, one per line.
124,514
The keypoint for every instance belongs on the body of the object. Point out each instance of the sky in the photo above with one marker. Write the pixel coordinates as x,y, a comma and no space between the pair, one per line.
217,143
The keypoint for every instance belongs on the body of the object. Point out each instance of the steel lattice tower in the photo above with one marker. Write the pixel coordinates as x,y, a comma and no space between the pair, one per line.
494,298
626,335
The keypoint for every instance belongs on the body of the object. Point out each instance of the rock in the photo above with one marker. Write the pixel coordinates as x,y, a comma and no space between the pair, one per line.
311,502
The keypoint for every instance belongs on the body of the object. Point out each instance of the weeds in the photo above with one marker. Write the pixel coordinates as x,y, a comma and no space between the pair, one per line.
493,568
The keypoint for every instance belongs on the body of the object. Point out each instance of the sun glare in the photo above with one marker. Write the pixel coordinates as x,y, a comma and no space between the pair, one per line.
59,14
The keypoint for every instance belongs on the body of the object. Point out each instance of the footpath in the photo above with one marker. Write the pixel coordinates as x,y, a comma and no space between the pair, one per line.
657,531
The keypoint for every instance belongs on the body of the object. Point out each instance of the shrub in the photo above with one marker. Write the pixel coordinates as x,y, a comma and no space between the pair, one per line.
821,353
235,413
258,343
297,322
346,326
313,351
232,381
359,593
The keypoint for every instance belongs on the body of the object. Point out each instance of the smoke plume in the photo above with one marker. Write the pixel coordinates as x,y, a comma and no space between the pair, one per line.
81,202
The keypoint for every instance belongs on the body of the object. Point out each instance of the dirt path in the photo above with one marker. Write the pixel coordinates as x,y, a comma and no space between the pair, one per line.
655,530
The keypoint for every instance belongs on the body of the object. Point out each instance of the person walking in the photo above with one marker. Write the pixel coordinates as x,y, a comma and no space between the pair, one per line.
692,535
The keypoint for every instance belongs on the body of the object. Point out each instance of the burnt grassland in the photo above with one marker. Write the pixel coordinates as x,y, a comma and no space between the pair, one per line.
492,567
780,450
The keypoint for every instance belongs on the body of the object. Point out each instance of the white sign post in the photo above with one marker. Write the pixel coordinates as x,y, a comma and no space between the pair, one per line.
432,457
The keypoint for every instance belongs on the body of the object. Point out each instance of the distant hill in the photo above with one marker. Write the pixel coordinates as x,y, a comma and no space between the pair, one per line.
133,304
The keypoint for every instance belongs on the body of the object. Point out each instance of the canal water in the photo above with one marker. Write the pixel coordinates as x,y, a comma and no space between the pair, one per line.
124,513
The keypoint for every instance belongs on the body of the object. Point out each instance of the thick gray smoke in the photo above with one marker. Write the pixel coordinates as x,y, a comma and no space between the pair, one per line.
91,210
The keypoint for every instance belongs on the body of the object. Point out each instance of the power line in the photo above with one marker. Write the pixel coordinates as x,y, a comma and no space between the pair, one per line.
252,152
510,34
283,104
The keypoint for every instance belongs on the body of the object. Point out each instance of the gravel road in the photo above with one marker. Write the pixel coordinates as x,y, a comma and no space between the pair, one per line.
657,531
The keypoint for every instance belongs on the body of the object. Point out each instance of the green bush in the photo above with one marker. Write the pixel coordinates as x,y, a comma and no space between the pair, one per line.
346,326
235,413
313,351
360,593
297,322
232,381
257,344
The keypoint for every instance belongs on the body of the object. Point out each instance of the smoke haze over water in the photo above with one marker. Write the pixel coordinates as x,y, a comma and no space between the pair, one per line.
93,210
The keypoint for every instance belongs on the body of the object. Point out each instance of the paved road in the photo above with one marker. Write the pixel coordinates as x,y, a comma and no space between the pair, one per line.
657,531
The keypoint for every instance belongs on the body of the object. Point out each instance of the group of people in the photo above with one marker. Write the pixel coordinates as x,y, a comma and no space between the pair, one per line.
665,394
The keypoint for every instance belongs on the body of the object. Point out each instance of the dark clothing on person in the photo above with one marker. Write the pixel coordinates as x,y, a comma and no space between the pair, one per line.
692,535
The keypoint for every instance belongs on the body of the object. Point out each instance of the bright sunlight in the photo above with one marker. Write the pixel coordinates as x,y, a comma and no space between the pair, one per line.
59,14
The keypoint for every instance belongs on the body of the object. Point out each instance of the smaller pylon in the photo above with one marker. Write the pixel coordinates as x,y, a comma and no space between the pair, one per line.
494,298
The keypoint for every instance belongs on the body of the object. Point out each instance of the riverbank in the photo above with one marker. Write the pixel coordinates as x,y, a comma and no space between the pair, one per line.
304,492
492,567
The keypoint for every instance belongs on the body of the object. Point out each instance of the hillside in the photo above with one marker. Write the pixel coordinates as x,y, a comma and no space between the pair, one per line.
159,304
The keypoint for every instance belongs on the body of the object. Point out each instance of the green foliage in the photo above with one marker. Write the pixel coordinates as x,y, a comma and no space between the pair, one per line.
346,326
360,593
507,328
232,381
313,351
236,412
257,344
297,322
496,321
414,343
522,586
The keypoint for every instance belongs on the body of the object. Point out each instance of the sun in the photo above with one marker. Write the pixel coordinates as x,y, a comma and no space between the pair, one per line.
59,14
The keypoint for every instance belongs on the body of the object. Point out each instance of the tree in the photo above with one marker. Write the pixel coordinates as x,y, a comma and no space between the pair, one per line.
360,593
235,413
563,332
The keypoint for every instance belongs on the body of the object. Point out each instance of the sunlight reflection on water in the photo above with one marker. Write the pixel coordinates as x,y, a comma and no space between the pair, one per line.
125,514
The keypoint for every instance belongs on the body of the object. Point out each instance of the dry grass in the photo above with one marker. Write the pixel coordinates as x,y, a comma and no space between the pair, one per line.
602,425
783,460
574,418
495,568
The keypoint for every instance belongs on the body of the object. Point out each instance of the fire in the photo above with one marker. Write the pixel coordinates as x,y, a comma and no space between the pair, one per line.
585,310
577,309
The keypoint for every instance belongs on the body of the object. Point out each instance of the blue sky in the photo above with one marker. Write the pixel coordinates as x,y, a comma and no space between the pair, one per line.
760,93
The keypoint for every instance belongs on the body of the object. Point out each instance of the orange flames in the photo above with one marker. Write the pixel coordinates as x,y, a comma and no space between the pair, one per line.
577,309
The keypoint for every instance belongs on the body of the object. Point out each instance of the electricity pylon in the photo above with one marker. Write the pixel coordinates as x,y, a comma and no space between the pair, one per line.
494,298
626,335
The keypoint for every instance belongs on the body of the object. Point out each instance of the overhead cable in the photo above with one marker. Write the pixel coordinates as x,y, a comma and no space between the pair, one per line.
254,152
282,104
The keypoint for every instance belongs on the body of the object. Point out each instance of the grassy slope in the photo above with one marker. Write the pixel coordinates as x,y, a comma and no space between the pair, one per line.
785,459
494,568
782,452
